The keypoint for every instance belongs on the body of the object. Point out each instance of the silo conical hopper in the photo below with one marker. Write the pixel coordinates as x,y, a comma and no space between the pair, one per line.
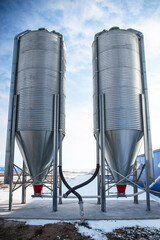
39,76
117,74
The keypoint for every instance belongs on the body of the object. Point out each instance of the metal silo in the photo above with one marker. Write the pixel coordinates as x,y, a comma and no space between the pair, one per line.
37,88
121,114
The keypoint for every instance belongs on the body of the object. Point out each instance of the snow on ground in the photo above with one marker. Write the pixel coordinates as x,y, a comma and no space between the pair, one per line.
103,225
88,190
98,229
17,195
110,225
91,189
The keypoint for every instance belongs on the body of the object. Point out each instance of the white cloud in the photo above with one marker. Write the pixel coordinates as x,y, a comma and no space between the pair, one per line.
135,7
113,7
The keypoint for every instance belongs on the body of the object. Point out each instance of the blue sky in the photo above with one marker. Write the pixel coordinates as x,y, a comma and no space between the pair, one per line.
79,21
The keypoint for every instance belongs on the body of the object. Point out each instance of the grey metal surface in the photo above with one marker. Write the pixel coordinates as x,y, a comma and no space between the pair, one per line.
37,149
102,137
146,152
97,131
38,79
98,162
119,75
146,102
8,156
12,144
55,151
24,178
60,164
135,188
121,151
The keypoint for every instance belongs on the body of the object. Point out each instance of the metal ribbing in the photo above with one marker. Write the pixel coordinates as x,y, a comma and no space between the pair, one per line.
38,80
119,79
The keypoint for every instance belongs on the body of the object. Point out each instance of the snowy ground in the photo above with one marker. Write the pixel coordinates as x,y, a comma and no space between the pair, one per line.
96,229
88,190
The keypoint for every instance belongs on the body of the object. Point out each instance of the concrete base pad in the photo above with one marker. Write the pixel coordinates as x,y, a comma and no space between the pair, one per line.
69,210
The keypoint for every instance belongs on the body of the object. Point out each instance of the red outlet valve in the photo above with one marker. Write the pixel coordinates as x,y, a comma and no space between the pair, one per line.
121,188
38,188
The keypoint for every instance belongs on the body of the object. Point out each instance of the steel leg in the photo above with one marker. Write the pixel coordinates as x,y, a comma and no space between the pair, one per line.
60,163
10,189
146,112
12,151
60,190
10,112
135,181
98,188
24,184
98,175
55,151
102,135
146,148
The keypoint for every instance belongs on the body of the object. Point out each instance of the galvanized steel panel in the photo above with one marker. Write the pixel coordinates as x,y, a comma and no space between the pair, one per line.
129,77
119,79
38,79
26,79
121,151
121,39
37,150
119,73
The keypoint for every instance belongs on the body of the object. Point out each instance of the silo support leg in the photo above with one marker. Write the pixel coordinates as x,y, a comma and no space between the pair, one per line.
102,136
146,149
24,184
60,164
135,181
60,190
12,150
98,176
55,150
98,188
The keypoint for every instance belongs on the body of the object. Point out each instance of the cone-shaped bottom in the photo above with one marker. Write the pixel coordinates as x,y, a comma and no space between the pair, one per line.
121,148
37,150
38,189
121,188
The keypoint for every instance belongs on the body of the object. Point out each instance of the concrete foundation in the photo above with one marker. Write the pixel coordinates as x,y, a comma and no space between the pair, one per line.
69,210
